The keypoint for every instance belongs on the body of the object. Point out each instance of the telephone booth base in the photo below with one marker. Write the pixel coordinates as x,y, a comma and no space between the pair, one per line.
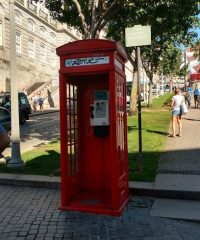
96,204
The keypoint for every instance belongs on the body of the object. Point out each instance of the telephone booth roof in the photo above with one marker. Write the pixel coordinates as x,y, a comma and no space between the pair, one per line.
91,45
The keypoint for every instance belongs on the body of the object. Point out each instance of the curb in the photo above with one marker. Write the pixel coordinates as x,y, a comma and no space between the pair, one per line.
42,113
171,194
30,180
136,188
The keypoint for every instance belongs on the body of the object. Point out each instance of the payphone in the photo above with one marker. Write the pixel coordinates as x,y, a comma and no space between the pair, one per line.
99,118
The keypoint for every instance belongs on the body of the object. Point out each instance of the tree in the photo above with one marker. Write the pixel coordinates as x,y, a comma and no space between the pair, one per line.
171,61
89,17
170,21
196,49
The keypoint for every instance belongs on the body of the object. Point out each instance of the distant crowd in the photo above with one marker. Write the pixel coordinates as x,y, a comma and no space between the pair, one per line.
188,96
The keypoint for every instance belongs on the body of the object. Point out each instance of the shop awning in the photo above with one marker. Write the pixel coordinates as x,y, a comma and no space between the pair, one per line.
195,76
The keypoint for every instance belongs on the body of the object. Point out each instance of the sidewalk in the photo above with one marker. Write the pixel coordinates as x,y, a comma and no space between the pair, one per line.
178,174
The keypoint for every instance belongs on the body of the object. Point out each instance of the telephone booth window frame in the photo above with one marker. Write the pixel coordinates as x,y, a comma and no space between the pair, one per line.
72,129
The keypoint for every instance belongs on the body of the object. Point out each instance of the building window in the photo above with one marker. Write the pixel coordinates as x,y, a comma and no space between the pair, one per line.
18,42
42,53
42,32
31,49
1,33
53,57
18,17
31,25
53,38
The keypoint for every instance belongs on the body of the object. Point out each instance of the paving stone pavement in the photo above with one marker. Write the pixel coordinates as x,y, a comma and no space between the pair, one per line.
182,154
33,213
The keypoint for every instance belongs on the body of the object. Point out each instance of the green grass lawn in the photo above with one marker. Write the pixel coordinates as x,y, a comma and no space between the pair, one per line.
155,123
41,161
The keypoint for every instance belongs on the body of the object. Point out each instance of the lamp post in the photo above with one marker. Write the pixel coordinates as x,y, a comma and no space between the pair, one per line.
15,161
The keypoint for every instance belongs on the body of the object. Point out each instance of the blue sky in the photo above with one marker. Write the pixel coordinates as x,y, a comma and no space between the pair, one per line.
198,31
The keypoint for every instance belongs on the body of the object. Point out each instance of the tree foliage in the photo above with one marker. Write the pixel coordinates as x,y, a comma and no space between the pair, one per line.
196,49
88,16
170,20
171,61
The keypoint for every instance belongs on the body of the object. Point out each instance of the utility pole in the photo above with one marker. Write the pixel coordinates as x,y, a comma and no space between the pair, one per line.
15,161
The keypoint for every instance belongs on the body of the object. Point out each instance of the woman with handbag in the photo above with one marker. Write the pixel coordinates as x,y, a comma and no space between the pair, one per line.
177,101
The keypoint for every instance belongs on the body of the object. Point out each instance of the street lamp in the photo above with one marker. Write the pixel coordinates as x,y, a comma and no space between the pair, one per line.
15,161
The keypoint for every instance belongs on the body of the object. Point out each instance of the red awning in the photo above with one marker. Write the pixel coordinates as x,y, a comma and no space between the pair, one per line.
195,76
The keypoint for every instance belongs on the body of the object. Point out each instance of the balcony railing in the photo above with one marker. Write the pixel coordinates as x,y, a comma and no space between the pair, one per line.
32,7
43,15
53,22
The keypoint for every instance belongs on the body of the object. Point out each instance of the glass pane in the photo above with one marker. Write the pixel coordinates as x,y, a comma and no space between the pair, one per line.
75,121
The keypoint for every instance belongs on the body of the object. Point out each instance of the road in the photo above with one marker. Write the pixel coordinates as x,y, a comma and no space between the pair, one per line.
38,130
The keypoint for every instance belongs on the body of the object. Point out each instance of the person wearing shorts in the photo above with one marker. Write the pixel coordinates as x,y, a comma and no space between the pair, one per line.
196,95
4,139
177,100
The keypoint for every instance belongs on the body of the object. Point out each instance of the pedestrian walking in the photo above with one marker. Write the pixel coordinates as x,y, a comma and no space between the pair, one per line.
34,103
188,97
196,96
4,139
41,102
177,101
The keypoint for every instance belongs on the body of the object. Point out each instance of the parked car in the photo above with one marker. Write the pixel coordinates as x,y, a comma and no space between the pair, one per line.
5,118
24,106
167,88
155,90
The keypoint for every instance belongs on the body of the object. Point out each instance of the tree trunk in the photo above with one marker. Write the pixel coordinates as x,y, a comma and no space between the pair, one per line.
171,83
133,100
150,94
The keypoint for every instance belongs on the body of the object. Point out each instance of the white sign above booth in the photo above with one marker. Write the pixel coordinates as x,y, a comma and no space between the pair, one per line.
77,62
138,36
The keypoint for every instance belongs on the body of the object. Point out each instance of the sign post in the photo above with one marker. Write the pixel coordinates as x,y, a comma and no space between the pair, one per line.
135,37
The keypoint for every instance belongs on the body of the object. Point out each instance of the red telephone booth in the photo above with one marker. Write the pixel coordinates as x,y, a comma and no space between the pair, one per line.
94,165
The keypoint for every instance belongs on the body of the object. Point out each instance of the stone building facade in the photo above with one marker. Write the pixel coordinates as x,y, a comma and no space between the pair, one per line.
37,36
